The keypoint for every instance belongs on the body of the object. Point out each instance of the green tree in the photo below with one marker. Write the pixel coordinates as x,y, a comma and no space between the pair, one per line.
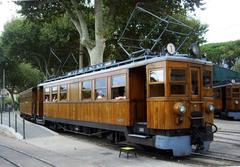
94,22
26,41
225,53
20,77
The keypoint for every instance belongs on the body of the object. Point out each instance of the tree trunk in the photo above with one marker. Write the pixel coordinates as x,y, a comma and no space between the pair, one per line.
80,58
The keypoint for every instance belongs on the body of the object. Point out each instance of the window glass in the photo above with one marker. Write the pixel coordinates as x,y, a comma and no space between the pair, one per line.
46,90
46,94
156,90
177,89
156,85
87,85
101,88
178,75
118,90
54,94
86,89
156,75
46,97
178,81
235,90
118,80
207,79
54,88
194,75
235,95
63,92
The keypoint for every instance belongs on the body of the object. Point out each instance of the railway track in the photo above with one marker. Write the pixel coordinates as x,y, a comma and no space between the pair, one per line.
44,163
218,156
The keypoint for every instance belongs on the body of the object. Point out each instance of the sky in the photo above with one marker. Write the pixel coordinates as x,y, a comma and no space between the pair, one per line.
222,16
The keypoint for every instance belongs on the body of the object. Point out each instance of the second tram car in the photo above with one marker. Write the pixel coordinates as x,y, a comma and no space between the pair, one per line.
165,102
227,100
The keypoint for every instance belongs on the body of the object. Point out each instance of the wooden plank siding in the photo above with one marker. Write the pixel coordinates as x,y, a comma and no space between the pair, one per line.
109,111
160,112
138,106
27,101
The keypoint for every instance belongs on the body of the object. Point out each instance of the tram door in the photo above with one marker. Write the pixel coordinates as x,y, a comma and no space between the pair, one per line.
137,93
196,104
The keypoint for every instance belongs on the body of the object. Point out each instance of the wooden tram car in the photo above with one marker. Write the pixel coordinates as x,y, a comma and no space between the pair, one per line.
165,102
227,100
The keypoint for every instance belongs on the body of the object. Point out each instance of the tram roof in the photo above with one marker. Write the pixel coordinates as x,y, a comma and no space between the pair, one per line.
127,64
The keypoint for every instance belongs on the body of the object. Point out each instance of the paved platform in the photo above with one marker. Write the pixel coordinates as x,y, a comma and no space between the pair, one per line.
31,130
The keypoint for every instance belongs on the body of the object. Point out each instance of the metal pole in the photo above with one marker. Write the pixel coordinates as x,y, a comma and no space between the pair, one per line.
2,95
24,137
15,122
9,118
1,107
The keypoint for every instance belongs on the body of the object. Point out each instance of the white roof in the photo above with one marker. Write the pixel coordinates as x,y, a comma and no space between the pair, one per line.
132,65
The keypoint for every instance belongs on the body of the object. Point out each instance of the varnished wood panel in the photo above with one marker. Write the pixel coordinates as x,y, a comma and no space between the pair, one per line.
217,103
74,91
116,113
160,115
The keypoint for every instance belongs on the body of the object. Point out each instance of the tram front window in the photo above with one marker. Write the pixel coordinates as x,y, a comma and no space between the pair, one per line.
194,76
156,83
207,79
178,81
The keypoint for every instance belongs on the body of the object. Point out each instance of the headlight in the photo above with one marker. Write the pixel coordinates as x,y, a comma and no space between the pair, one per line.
211,107
181,109
236,102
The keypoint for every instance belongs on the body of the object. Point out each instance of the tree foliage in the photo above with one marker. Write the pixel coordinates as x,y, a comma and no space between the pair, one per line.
225,53
97,22
46,45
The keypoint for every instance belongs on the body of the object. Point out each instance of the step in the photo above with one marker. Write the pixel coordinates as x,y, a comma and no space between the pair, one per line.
138,136
141,123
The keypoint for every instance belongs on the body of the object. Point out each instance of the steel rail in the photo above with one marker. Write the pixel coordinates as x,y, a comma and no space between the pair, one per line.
28,155
10,161
234,159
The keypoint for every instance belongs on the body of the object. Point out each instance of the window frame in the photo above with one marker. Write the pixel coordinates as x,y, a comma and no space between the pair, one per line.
117,86
54,92
156,83
91,90
183,82
233,93
65,91
48,94
211,79
95,88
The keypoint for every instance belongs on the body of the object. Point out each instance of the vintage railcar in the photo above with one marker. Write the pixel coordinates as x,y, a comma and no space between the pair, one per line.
227,100
162,101
31,103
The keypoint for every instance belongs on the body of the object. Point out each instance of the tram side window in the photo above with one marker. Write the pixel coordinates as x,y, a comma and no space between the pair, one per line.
63,92
46,94
178,81
54,94
156,83
101,88
207,79
118,87
235,93
217,93
86,89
